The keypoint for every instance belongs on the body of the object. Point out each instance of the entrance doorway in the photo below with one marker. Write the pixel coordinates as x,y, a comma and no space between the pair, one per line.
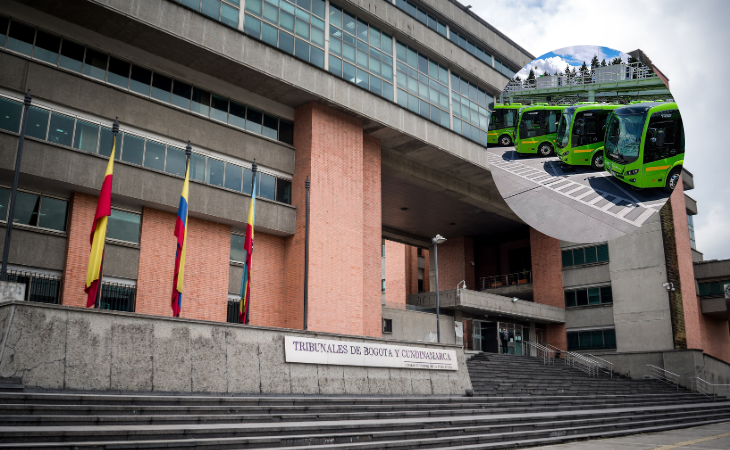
485,337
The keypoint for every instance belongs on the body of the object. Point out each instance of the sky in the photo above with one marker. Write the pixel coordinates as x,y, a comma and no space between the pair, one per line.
573,57
687,41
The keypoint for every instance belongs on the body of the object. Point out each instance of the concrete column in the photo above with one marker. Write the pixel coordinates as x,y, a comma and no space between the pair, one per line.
547,281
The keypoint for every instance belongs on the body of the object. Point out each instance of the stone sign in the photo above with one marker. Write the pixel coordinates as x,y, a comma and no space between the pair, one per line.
351,353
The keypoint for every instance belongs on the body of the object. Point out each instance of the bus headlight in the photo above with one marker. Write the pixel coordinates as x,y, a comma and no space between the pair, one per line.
632,172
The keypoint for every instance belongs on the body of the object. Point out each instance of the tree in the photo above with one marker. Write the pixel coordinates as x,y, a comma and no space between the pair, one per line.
617,60
594,62
567,71
603,62
632,60
530,80
583,72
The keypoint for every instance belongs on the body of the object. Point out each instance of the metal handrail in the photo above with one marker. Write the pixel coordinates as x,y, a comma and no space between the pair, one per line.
577,361
547,355
610,369
510,279
664,376
709,389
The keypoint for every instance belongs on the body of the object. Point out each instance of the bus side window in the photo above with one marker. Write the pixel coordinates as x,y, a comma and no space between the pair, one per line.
551,122
603,122
680,129
660,140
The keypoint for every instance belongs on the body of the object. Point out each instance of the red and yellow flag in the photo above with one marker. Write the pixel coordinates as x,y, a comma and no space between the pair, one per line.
98,233
248,247
181,234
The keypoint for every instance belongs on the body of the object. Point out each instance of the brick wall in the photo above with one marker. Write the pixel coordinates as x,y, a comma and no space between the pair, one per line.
547,275
157,264
372,238
81,217
555,335
504,249
454,263
395,272
411,270
267,282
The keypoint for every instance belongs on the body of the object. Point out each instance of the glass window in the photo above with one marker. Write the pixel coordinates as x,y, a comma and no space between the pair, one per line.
86,136
283,191
570,298
195,4
594,296
181,94
581,297
251,25
154,155
591,255
133,149
602,253
106,140
161,87
219,108
124,226
271,12
233,177
61,129
118,72
140,80
286,20
254,7
247,181
237,116
211,8
253,120
579,256
267,186
286,132
10,113
20,38
237,248
3,30
53,214
5,199
72,56
335,64
318,8
37,123
201,101
197,167
229,16
270,126
301,49
46,47
214,172
286,40
95,64
175,161
27,207
606,294
269,34
317,57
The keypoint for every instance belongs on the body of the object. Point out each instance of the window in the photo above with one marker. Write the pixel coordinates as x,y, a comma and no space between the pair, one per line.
382,285
124,226
35,210
713,288
470,109
225,11
47,47
361,53
423,85
387,326
39,287
20,38
691,225
421,15
117,296
10,114
585,255
238,253
588,296
596,339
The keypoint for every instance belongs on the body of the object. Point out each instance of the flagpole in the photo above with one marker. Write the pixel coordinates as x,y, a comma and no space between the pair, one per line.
14,191
306,254
97,302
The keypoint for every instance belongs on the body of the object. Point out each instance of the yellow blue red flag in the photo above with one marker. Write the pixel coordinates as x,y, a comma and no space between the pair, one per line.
181,233
248,248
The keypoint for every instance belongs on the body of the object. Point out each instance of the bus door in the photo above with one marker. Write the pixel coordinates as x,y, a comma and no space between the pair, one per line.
531,124
551,119
586,129
661,146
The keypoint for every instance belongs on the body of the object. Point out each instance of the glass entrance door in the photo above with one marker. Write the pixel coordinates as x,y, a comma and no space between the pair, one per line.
514,346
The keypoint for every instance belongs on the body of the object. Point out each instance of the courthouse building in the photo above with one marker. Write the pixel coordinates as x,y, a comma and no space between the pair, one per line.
383,105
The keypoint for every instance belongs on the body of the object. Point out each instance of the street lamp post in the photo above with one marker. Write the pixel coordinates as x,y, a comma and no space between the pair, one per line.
436,241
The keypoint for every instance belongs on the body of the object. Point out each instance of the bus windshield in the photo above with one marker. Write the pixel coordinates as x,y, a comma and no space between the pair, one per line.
623,137
564,130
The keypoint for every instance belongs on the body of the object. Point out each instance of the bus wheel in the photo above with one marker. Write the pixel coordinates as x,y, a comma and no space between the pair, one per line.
672,179
598,162
545,149
505,140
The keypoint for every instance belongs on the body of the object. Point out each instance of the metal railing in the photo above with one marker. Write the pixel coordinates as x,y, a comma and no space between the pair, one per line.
511,279
577,361
607,74
603,364
118,297
539,351
664,376
710,390
232,312
39,287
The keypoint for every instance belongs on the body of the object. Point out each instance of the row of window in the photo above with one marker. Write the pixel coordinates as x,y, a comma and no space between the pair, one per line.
423,85
603,339
588,296
224,11
691,225
296,27
61,52
422,16
713,288
92,137
469,104
585,255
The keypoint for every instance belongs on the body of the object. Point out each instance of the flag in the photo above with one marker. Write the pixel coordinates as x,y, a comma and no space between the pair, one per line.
98,232
248,248
181,233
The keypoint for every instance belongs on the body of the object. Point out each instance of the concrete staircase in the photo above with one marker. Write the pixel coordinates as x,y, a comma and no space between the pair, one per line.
514,412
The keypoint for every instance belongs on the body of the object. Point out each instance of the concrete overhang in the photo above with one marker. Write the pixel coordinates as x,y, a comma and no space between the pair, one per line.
476,302
714,307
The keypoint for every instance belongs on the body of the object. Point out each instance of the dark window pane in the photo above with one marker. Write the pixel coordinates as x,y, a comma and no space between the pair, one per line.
247,181
567,258
267,186
286,41
195,4
4,199
594,296
72,56
95,64
86,136
306,4
251,25
201,101
181,94
106,139
61,129
154,155
286,132
20,38
317,57
602,253
579,256
376,86
229,16
234,2
214,172
53,214
37,123
590,255
253,120
140,81
318,8
348,72
253,6
606,295
26,208
335,65
283,191
118,72
219,108
233,177
132,149
237,116
362,79
211,8
237,248
570,298
10,113
197,167
286,21
124,226
271,124
46,47
175,161
582,297
302,29
609,338
301,49
269,34
161,86
388,91
3,30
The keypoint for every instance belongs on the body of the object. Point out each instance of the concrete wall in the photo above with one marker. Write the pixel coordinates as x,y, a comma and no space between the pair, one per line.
584,276
589,316
416,326
49,249
55,347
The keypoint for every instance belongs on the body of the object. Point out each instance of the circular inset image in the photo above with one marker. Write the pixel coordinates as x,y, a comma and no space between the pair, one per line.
586,143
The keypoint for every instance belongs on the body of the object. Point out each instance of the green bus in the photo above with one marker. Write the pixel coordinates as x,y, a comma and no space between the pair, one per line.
580,134
502,124
537,127
644,145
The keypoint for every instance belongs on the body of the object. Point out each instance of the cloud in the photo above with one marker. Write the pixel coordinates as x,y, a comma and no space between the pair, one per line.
551,65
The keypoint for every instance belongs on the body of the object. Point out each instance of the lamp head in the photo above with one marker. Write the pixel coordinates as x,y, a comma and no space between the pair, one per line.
438,240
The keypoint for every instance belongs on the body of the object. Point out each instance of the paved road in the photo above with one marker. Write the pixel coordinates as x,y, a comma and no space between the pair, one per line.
571,203
709,437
